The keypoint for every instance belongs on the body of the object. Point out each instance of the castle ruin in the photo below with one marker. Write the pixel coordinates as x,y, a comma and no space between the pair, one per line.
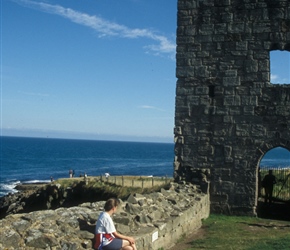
228,114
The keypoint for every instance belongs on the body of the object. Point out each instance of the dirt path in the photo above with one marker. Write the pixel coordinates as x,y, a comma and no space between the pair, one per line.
185,243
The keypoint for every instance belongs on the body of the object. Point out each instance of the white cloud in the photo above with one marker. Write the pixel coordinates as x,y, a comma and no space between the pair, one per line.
277,79
274,77
105,27
150,107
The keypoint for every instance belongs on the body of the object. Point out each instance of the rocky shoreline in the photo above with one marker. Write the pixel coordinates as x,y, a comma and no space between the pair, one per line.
42,196
31,197
69,192
163,215
30,186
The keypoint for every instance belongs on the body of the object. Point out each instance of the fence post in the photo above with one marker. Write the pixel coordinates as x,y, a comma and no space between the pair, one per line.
122,181
142,184
152,181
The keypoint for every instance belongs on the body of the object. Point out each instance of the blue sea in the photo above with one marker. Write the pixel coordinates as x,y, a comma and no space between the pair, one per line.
29,160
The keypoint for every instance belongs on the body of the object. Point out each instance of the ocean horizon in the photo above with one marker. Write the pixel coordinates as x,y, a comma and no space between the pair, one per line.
32,160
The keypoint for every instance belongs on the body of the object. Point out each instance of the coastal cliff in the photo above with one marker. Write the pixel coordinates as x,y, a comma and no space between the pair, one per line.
68,192
157,220
39,196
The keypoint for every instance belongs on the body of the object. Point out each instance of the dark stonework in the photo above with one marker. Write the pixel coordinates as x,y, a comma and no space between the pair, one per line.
228,114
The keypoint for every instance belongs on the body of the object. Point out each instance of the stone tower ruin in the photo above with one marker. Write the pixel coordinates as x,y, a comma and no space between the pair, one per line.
228,114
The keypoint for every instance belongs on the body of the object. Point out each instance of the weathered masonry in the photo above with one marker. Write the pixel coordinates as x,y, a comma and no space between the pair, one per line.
228,114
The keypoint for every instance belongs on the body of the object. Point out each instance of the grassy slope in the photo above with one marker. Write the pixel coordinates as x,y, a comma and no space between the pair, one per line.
241,233
109,189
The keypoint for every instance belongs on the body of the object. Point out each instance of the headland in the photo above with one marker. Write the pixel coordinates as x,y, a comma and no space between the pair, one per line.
157,219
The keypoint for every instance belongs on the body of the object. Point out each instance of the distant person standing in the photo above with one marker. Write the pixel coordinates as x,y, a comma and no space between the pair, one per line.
70,173
268,184
86,179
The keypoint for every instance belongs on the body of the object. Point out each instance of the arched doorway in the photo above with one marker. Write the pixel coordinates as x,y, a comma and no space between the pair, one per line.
277,162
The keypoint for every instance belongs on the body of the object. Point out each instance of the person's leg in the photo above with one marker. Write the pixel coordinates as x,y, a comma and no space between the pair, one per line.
127,246
116,244
266,195
270,195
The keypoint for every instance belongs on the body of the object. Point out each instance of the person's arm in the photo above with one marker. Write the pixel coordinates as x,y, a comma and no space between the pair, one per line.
124,237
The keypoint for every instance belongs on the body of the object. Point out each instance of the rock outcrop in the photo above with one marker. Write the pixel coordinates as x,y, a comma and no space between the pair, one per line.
51,196
32,198
156,220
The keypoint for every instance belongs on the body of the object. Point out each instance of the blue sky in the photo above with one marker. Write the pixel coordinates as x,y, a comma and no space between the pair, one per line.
89,68
92,69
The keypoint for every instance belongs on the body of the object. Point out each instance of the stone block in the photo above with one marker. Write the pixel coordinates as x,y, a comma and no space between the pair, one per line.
231,81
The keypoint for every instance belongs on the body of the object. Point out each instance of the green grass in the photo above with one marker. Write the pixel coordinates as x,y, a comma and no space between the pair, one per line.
108,189
243,233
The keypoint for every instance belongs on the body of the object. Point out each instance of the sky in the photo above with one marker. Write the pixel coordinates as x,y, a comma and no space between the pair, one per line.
93,69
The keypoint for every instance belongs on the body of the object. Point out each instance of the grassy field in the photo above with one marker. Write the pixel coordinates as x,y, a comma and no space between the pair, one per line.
238,233
116,186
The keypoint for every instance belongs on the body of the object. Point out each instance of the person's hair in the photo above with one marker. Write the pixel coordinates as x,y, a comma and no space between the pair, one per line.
111,203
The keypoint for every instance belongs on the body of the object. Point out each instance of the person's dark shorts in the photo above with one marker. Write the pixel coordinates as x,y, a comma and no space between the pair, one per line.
114,245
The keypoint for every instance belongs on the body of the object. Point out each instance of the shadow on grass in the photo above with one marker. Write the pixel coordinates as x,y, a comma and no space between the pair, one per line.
277,210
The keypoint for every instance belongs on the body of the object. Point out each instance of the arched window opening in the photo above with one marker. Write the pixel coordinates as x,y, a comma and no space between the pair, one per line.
277,161
280,67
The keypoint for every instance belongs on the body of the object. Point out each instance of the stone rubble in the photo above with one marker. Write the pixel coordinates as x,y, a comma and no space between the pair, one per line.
156,221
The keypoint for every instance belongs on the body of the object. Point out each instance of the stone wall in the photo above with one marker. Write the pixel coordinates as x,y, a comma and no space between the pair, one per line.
155,220
228,114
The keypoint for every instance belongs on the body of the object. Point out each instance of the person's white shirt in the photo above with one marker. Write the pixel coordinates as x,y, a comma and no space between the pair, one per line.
105,225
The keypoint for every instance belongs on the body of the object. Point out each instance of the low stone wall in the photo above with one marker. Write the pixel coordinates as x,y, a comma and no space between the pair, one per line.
156,220
185,218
